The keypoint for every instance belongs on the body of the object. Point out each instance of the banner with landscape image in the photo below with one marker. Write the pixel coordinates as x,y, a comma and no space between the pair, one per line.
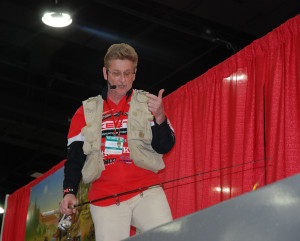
45,196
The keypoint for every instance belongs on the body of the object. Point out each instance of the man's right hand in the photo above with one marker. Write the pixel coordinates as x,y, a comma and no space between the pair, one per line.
68,200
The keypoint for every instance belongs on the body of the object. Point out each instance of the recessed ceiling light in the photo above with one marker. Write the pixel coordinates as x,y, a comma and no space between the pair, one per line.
57,19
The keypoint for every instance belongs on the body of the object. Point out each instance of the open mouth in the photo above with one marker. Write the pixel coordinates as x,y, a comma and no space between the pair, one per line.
122,86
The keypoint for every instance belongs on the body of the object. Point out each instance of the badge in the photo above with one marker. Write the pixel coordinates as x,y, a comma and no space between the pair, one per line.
114,145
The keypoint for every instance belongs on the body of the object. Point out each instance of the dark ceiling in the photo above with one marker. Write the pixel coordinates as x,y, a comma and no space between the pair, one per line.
47,72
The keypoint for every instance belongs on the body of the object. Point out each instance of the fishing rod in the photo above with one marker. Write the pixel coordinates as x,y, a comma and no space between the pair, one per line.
72,206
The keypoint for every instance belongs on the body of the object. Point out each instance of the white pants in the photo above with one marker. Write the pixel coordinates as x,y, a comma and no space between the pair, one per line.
146,211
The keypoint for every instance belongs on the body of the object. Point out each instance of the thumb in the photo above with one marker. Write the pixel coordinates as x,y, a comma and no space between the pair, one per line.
160,93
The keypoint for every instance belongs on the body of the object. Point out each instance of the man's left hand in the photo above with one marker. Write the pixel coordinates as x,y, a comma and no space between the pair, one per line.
155,105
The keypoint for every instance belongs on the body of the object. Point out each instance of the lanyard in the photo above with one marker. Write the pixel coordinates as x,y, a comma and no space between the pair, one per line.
118,122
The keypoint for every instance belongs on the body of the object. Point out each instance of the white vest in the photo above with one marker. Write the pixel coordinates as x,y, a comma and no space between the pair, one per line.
139,136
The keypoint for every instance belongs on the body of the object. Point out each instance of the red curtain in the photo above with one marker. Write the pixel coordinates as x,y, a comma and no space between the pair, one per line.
17,207
238,123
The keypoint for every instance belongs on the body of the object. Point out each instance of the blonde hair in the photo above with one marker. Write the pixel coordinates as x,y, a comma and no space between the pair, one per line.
120,51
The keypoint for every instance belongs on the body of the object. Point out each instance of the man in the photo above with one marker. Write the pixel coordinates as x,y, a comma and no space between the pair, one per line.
116,141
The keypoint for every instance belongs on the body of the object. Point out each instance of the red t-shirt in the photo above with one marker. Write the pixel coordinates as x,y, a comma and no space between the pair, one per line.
120,174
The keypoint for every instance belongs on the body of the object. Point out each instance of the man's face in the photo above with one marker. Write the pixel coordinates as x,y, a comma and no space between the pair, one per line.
120,73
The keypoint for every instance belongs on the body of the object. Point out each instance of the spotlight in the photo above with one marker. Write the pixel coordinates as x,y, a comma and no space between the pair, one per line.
57,18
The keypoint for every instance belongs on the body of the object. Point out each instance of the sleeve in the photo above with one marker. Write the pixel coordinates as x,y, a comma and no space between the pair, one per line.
75,156
73,167
163,137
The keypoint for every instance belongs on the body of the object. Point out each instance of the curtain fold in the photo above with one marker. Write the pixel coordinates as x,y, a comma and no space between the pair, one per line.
283,103
238,123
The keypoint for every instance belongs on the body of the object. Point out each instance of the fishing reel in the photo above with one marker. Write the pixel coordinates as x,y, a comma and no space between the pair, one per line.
65,225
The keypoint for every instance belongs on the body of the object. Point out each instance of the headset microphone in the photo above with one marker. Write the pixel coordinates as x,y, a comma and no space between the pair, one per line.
112,87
